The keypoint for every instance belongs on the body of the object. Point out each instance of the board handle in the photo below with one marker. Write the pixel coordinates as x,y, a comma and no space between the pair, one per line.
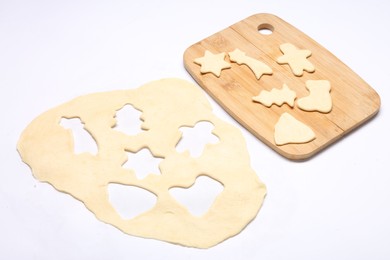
265,28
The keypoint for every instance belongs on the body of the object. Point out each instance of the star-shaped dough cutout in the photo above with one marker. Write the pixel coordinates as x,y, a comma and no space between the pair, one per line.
213,63
296,59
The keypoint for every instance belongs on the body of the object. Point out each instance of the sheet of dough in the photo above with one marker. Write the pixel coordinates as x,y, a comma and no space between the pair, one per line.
167,105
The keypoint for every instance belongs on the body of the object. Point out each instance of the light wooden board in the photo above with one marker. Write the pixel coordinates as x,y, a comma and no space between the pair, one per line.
354,101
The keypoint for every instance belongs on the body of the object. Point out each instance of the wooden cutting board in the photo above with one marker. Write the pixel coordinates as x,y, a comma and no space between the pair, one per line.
354,101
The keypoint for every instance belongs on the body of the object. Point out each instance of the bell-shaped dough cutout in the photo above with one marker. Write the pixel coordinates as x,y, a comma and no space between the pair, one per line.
200,196
290,130
319,98
130,201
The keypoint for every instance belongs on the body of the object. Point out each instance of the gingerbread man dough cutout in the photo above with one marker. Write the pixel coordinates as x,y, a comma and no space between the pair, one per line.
257,67
296,59
213,63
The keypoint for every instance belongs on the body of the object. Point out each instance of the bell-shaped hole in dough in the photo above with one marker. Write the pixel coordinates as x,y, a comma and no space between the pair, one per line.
83,141
195,138
128,120
130,201
200,196
143,163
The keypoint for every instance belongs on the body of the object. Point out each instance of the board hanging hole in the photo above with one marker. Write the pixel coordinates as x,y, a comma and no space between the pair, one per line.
265,29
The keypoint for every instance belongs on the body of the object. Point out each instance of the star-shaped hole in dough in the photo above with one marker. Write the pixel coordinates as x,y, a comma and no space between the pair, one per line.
213,63
296,59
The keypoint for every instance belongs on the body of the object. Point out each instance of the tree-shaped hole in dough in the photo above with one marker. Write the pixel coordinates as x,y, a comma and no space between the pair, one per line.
128,120
143,163
130,201
195,138
199,197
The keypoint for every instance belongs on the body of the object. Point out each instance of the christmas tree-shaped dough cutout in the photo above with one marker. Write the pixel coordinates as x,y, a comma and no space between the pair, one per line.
290,130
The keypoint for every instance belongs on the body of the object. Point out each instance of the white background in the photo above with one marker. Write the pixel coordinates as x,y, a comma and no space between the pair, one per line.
333,206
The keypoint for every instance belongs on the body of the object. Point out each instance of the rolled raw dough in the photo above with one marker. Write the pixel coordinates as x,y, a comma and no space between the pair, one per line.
166,106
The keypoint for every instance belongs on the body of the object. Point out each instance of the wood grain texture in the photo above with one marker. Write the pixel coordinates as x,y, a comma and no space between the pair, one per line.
354,101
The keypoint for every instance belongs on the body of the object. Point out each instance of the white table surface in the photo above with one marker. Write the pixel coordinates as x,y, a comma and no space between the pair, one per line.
333,206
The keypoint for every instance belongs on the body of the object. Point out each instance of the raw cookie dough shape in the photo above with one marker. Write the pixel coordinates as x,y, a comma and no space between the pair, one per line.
290,130
213,63
296,59
258,68
319,98
166,106
276,96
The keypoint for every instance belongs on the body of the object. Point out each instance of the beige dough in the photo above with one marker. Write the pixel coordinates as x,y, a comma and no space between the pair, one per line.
319,98
276,96
296,59
213,63
258,68
166,106
289,130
